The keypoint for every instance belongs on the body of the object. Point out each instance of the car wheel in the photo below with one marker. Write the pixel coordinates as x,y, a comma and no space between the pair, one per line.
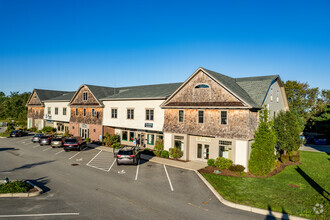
79,149
118,163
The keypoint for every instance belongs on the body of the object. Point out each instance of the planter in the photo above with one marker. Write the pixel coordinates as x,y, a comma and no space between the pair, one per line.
35,191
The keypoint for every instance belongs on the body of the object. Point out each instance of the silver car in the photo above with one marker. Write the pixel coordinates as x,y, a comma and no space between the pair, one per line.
128,155
36,138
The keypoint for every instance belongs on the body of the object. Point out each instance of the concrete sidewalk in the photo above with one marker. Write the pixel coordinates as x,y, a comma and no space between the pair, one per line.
190,165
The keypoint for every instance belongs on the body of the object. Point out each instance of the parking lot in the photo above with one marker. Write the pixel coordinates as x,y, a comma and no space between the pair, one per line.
89,184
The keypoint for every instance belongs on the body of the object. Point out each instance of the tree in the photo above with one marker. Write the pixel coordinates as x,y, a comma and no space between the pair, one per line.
288,132
301,97
262,157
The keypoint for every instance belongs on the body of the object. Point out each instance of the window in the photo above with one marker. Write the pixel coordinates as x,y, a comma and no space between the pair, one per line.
113,113
199,150
49,111
56,111
200,116
159,137
64,111
151,139
76,111
131,136
223,117
85,96
124,135
149,114
181,115
224,148
93,112
204,86
271,94
179,142
130,113
84,112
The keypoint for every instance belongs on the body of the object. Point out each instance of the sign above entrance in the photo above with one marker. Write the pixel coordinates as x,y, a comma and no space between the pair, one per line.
148,125
84,126
203,139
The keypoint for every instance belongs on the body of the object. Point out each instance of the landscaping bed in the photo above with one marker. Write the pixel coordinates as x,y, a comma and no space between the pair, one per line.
16,187
300,189
212,170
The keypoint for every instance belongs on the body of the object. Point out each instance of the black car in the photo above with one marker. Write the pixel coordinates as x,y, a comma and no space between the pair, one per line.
45,140
74,144
17,133
128,155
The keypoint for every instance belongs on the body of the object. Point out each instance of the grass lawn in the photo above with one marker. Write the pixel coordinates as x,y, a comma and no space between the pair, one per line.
312,177
4,134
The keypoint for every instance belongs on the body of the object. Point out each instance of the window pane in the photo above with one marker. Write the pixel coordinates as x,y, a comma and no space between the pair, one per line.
151,139
199,151
200,117
124,135
223,117
180,115
206,151
131,136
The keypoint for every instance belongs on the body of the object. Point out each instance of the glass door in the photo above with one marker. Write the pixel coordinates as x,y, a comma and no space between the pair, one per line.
203,151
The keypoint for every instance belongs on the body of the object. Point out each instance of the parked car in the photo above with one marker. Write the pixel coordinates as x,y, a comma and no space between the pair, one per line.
128,155
45,140
17,133
57,142
320,141
74,143
36,138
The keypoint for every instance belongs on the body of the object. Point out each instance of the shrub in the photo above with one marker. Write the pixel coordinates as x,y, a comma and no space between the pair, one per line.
262,157
159,146
211,162
39,131
10,128
66,134
15,187
284,158
88,140
111,140
48,129
223,163
237,168
294,156
116,145
288,131
175,153
242,173
277,164
164,154
33,129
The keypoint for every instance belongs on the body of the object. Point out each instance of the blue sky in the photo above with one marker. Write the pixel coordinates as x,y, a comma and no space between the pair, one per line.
63,44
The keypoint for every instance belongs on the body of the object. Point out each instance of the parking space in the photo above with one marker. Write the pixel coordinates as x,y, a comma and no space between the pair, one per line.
150,174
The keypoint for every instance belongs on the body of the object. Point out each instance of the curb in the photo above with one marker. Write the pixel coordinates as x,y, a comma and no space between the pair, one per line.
149,158
245,207
22,195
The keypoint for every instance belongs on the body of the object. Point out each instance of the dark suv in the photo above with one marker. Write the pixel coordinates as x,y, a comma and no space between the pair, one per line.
128,155
74,144
45,140
17,133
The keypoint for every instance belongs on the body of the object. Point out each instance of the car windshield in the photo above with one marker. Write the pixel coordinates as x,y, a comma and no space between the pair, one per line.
71,140
57,139
45,137
125,152
38,135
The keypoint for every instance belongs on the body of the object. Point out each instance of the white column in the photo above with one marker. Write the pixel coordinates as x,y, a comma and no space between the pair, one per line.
241,153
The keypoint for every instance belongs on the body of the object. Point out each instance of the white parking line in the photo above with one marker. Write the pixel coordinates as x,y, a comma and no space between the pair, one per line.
36,146
94,157
168,178
59,152
137,170
111,165
28,143
74,155
47,149
38,215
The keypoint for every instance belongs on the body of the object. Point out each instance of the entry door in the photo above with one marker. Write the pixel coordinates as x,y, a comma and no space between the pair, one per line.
203,151
84,133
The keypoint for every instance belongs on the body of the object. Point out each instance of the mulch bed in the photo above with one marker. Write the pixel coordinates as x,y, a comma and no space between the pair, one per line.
277,170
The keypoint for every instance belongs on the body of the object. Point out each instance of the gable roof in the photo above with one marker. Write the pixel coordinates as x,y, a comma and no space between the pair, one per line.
157,91
44,94
64,97
257,87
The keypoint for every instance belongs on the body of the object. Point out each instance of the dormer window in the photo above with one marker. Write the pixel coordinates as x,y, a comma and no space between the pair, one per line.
202,86
85,96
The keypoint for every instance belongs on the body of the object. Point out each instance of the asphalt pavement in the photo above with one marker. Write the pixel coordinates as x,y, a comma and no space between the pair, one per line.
90,185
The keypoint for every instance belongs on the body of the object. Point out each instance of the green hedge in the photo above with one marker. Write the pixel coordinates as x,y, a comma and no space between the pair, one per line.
15,187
